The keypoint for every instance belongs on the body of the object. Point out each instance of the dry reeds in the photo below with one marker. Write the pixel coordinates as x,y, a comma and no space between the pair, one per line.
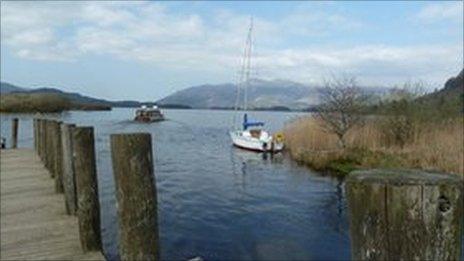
432,146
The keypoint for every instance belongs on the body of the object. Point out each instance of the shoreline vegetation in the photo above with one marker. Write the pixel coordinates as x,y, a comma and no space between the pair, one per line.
433,146
407,129
56,102
44,103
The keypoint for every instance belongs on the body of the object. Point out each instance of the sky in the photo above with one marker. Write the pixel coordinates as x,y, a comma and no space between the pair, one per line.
147,50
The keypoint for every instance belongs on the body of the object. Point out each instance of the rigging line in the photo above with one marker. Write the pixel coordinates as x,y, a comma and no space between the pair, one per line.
240,82
248,64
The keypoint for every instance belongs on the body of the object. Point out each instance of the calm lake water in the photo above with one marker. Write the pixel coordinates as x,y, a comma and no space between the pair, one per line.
215,201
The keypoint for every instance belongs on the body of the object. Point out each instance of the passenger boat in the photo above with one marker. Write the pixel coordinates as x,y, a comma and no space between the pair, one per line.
148,114
251,135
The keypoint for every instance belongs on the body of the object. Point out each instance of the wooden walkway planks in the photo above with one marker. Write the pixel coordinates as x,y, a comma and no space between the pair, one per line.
34,224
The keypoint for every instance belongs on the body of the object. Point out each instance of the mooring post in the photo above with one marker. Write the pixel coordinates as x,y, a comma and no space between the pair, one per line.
36,135
69,184
50,148
45,143
34,128
136,195
58,157
405,215
41,139
14,133
88,206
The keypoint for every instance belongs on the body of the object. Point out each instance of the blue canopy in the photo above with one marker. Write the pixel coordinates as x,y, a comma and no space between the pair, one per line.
247,123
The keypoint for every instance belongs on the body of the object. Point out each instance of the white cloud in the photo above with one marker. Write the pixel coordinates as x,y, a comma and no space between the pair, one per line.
373,64
148,32
440,11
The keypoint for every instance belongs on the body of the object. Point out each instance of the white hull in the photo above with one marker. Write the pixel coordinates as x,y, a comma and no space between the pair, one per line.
264,143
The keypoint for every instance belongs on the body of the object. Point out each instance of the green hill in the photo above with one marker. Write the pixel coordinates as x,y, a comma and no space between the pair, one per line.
450,99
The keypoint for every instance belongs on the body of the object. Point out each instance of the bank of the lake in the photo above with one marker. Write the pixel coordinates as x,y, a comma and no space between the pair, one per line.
44,103
433,146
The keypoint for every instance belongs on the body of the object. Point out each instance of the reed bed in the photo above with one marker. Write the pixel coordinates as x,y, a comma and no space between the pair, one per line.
434,145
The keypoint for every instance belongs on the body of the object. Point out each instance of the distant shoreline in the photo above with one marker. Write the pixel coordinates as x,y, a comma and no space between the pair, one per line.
24,103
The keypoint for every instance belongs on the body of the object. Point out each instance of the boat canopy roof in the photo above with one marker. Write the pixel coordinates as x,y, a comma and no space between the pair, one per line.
247,123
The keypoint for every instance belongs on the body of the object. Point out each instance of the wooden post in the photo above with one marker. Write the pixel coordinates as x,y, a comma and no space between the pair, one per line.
88,206
57,157
405,215
36,135
39,137
69,184
136,194
40,141
14,133
34,128
46,143
49,149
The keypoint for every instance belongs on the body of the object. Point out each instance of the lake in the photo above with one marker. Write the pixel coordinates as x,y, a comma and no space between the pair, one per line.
216,201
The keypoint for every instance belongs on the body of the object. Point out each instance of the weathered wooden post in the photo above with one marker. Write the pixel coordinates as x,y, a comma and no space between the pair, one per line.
45,143
36,135
57,157
69,184
136,194
49,148
405,215
14,133
34,128
88,206
38,122
40,138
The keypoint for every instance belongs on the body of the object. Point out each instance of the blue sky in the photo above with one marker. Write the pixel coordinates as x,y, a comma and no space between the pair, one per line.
146,50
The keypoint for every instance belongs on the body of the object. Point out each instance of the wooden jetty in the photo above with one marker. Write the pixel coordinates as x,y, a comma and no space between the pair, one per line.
34,223
50,202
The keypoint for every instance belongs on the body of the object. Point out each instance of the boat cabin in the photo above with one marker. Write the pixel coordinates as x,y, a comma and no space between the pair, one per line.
146,114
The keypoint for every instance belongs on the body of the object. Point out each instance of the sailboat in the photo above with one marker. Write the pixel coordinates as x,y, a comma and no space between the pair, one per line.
251,134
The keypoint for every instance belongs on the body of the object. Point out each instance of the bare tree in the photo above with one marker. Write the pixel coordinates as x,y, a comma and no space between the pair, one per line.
341,104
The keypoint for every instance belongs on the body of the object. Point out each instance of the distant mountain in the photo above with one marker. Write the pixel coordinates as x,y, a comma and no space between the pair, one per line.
7,88
76,98
262,94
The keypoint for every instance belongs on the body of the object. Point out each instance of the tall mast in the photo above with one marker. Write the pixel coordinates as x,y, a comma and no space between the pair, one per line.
248,49
244,73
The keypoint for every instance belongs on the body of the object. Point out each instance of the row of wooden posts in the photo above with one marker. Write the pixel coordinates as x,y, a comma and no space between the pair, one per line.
394,214
68,152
